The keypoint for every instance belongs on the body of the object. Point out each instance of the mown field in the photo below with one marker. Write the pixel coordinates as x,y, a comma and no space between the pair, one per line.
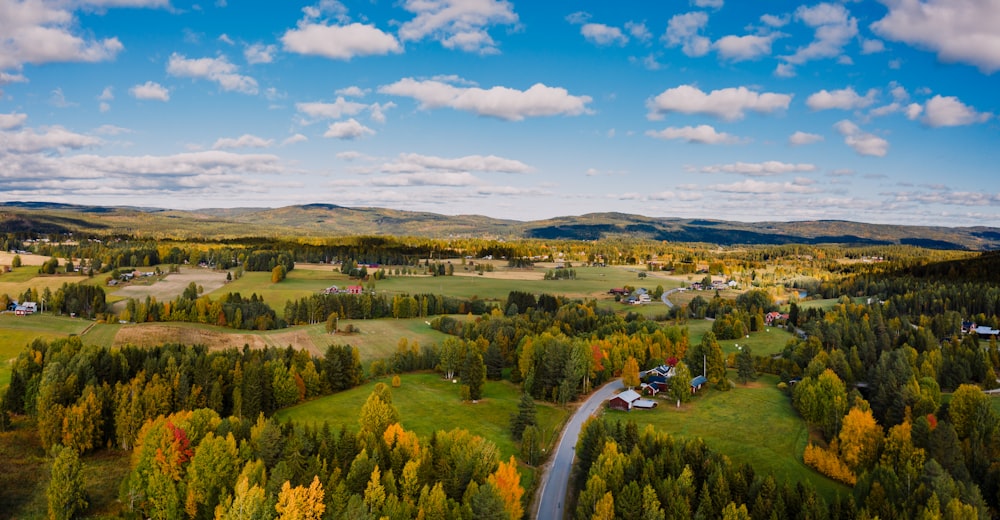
18,331
754,424
767,342
427,403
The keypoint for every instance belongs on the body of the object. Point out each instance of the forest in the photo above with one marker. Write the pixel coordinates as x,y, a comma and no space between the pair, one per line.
891,389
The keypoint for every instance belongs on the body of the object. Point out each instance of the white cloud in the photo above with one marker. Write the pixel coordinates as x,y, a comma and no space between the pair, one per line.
426,179
683,31
12,120
759,187
834,29
297,138
844,99
500,102
762,169
378,111
259,53
50,139
6,77
800,138
224,38
107,94
703,134
913,111
44,32
243,141
872,46
775,21
352,91
111,130
638,30
336,110
600,34
350,129
716,4
578,18
218,70
862,142
150,90
949,111
743,48
457,24
351,155
411,163
58,99
963,31
340,42
885,110
728,103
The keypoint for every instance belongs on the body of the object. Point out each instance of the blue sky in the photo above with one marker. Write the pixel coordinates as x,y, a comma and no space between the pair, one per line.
877,111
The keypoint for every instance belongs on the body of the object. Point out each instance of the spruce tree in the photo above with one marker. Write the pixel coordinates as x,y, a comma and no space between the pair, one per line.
524,417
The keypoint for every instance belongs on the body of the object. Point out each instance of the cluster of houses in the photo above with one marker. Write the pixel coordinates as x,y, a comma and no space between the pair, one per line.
350,289
970,327
22,309
657,379
639,297
774,317
717,285
128,277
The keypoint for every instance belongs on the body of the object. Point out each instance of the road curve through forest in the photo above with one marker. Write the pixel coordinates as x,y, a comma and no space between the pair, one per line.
555,480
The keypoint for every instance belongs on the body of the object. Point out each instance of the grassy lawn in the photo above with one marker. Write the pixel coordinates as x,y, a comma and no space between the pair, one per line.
299,283
102,334
427,403
769,341
754,424
378,339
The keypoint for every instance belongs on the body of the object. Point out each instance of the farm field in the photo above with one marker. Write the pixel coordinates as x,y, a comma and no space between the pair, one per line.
23,278
171,285
755,424
767,342
299,283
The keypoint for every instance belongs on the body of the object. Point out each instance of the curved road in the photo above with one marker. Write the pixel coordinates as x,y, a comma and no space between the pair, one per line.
555,480
669,304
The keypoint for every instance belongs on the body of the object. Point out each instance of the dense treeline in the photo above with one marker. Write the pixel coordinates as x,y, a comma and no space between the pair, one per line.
87,397
318,307
229,310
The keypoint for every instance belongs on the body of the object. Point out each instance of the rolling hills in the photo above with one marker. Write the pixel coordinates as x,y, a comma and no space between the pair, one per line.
330,220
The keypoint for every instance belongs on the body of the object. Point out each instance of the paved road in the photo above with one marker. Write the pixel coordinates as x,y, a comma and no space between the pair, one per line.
555,480
669,303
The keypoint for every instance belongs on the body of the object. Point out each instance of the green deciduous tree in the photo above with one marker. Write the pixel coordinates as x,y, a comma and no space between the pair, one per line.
65,494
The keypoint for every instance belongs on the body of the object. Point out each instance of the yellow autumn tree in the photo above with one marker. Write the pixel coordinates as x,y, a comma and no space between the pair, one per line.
630,373
301,503
507,480
860,440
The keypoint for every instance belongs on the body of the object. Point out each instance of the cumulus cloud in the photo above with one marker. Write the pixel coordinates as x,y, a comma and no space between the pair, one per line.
352,91
716,4
12,120
862,142
500,102
350,129
53,138
834,27
638,30
150,90
872,46
219,70
761,169
844,99
426,179
297,138
703,134
600,34
336,110
457,24
259,53
683,30
774,20
728,103
963,31
743,48
39,32
339,42
243,141
950,111
411,163
800,138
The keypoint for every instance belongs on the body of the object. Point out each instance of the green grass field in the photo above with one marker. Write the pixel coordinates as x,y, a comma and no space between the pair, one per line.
102,334
18,331
379,339
299,283
767,342
755,424
428,403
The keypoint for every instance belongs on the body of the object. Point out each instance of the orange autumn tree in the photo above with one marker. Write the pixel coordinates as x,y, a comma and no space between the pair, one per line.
507,481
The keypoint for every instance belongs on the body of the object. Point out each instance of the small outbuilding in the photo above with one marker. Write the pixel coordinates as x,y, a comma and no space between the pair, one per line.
697,383
628,400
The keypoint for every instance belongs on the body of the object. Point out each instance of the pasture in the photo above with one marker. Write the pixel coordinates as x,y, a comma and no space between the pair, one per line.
18,331
755,424
171,285
770,341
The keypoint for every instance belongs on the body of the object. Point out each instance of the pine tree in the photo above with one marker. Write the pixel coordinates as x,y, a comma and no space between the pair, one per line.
474,374
744,365
494,362
525,416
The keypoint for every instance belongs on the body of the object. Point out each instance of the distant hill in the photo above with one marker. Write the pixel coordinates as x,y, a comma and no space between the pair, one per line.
331,220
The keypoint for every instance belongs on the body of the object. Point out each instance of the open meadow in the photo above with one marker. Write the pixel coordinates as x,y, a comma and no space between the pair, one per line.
170,285
752,423
427,403
16,332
